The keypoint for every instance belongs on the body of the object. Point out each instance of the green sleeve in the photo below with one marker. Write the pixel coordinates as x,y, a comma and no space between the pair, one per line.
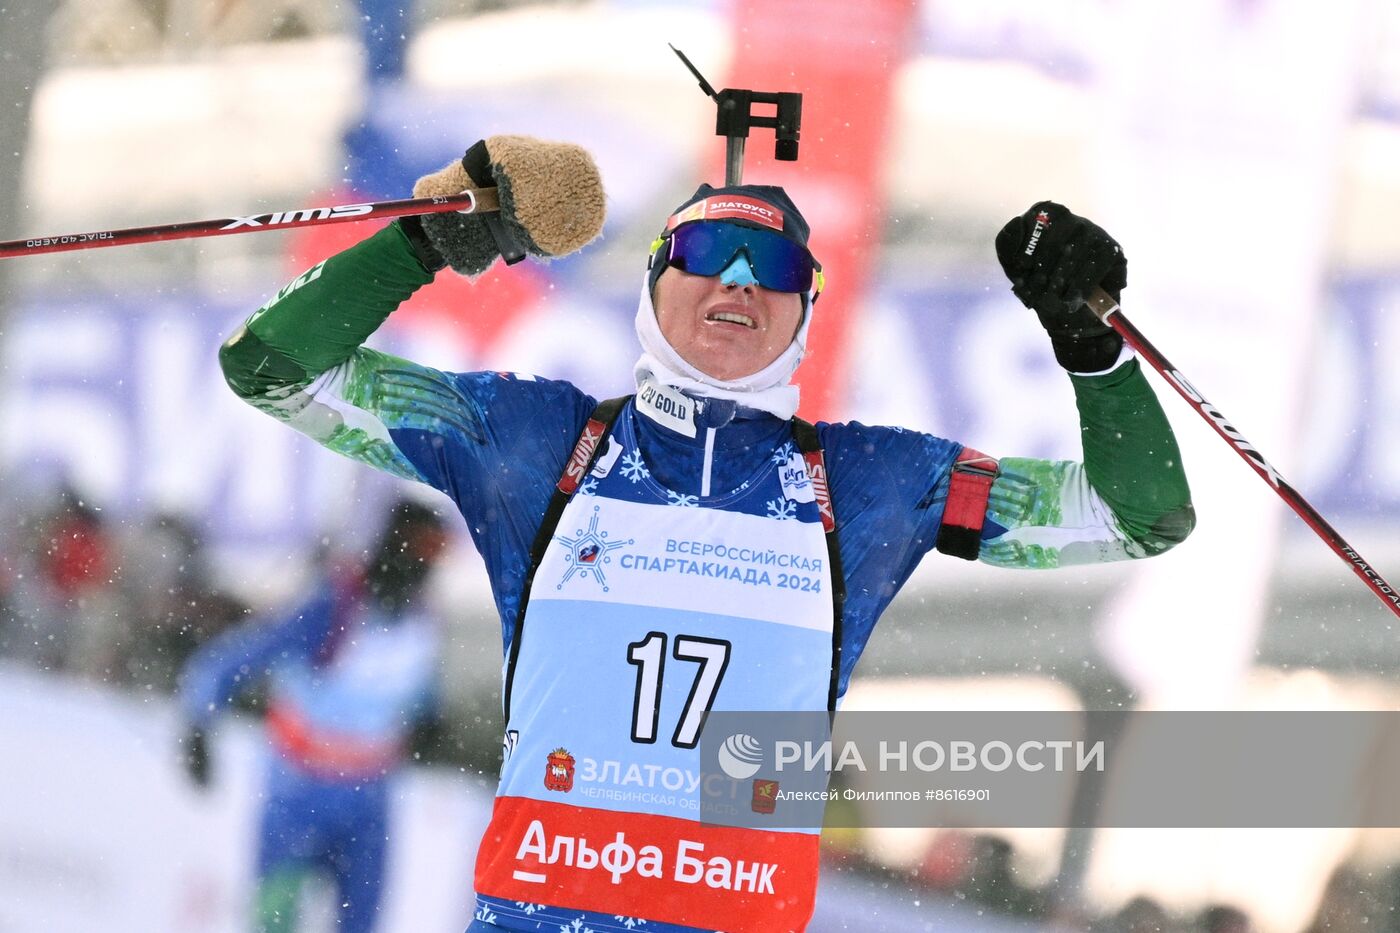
1131,456
321,318
299,359
1127,499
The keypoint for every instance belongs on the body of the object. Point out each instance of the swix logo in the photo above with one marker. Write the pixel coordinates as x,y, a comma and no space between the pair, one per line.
281,218
1042,220
816,472
578,460
1228,430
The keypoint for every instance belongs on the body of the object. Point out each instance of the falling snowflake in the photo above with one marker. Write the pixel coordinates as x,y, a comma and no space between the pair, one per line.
782,509
529,909
633,468
575,927
484,914
630,923
684,501
589,487
784,453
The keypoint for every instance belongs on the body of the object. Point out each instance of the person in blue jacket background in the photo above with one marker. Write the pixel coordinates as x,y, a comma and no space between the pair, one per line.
349,672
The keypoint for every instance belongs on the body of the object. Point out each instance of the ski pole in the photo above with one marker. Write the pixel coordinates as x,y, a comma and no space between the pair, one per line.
1111,314
471,201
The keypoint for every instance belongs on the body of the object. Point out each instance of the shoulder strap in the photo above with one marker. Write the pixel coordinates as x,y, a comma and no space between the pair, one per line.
809,444
969,488
585,452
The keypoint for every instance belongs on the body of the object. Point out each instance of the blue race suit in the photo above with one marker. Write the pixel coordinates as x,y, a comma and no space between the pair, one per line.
671,551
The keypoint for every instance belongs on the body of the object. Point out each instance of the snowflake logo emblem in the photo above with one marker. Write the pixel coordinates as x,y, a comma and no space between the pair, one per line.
682,500
783,454
589,487
782,509
588,552
633,468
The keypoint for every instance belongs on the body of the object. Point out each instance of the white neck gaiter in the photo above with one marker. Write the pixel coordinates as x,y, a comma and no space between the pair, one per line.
770,389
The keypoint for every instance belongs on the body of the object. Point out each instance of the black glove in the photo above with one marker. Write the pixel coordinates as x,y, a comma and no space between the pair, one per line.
1054,259
194,748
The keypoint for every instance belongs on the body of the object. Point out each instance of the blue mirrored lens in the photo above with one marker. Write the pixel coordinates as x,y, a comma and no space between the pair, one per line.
708,247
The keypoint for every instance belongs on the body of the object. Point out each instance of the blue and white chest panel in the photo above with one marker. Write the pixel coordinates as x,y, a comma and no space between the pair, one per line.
651,607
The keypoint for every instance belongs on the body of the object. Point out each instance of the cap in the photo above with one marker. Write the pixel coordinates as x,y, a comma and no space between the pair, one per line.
766,207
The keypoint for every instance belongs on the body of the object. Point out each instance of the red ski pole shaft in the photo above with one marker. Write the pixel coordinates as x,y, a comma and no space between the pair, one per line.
471,201
1111,314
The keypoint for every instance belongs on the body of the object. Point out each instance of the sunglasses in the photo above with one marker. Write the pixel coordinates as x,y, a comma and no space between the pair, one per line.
707,247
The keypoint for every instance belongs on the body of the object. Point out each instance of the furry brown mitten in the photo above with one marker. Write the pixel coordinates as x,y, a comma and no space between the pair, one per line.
552,204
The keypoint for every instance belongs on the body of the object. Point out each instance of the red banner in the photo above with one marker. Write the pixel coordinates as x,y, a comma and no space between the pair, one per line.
670,870
842,57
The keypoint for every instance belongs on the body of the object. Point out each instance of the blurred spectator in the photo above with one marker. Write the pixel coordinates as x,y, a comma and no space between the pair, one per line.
123,608
1355,901
1144,915
991,879
167,589
978,867
948,862
351,671
65,615
1222,918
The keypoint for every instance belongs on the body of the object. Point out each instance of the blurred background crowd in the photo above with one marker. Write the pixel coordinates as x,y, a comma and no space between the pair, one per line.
1246,153
118,603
